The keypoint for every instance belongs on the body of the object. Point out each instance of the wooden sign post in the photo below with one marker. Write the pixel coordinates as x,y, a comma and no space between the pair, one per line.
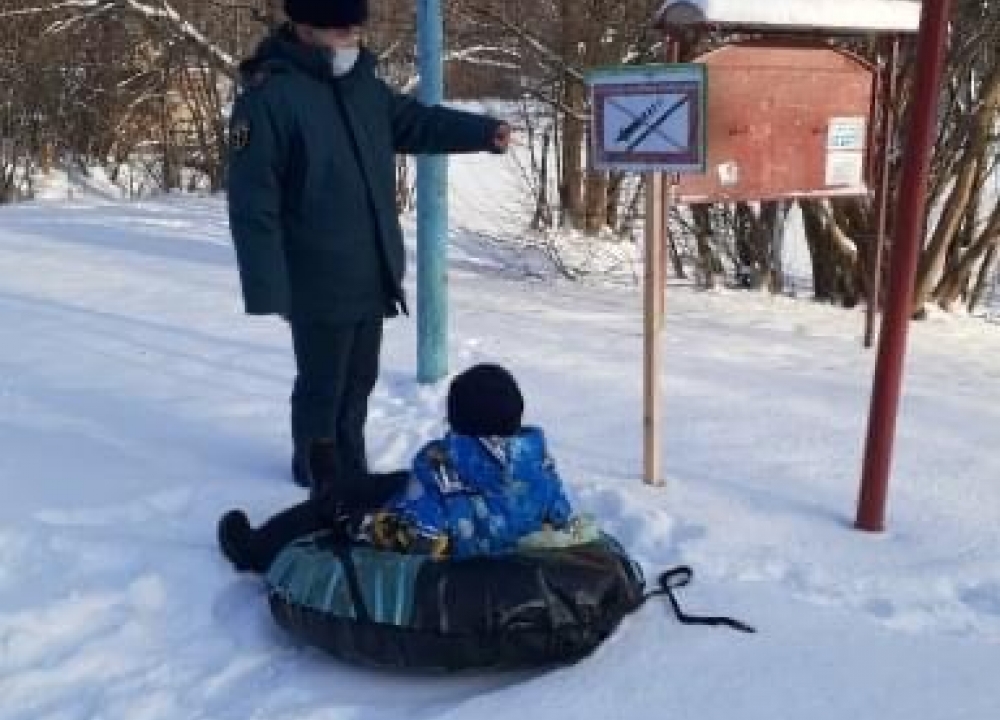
653,311
650,120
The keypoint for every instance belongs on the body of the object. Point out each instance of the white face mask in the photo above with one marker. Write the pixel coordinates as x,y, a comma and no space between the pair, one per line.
343,60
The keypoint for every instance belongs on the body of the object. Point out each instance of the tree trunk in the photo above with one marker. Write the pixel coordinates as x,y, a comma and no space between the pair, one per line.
833,254
675,256
819,256
613,199
571,186
933,261
776,215
986,271
707,262
596,202
542,219
959,277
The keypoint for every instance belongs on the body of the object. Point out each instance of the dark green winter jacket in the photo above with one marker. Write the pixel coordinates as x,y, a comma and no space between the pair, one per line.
312,183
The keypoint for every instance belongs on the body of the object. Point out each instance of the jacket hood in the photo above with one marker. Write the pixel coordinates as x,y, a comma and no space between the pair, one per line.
527,444
282,51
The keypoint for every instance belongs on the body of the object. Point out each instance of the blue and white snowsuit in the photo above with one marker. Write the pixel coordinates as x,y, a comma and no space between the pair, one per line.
482,494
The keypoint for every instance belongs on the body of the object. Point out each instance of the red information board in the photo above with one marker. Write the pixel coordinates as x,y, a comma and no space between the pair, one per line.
787,121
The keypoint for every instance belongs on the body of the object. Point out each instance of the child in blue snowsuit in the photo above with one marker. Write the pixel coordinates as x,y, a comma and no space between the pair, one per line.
485,485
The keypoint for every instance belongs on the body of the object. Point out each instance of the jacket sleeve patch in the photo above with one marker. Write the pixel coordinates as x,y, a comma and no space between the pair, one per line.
239,136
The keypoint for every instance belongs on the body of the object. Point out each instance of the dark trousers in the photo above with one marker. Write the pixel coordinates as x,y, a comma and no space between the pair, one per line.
337,368
261,546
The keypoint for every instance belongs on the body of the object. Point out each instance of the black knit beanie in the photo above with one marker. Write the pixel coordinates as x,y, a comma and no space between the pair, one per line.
485,401
327,13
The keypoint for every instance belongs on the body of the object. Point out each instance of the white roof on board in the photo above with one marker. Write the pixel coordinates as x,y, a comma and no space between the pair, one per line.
839,15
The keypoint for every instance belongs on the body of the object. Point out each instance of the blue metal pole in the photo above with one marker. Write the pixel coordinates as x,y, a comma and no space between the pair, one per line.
432,209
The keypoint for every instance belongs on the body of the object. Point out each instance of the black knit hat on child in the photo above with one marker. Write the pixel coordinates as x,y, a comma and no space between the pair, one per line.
327,13
485,401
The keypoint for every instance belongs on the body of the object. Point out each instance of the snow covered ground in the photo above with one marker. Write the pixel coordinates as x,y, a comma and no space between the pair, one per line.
137,404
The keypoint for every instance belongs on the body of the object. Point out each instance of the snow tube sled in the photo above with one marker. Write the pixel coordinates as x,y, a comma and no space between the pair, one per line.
529,608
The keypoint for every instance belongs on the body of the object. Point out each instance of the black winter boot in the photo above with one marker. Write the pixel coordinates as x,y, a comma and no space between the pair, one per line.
300,470
236,538
324,471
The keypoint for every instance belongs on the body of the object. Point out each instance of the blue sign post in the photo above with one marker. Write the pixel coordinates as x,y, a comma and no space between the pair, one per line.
432,209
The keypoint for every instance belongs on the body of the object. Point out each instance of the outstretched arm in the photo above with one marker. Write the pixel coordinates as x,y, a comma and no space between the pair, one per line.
433,129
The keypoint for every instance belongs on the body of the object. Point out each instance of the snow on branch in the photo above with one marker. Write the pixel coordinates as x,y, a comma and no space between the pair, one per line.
53,7
474,55
536,44
160,14
182,27
63,25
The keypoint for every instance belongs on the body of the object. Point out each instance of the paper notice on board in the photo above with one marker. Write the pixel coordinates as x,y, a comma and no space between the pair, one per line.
846,133
845,169
729,174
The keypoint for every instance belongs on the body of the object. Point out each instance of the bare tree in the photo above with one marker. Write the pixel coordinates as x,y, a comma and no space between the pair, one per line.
558,42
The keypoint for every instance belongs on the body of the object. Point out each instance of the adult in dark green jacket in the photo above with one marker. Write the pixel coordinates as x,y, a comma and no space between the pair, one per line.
312,207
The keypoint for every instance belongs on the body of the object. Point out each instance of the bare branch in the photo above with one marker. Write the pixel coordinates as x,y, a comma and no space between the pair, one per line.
54,7
183,28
